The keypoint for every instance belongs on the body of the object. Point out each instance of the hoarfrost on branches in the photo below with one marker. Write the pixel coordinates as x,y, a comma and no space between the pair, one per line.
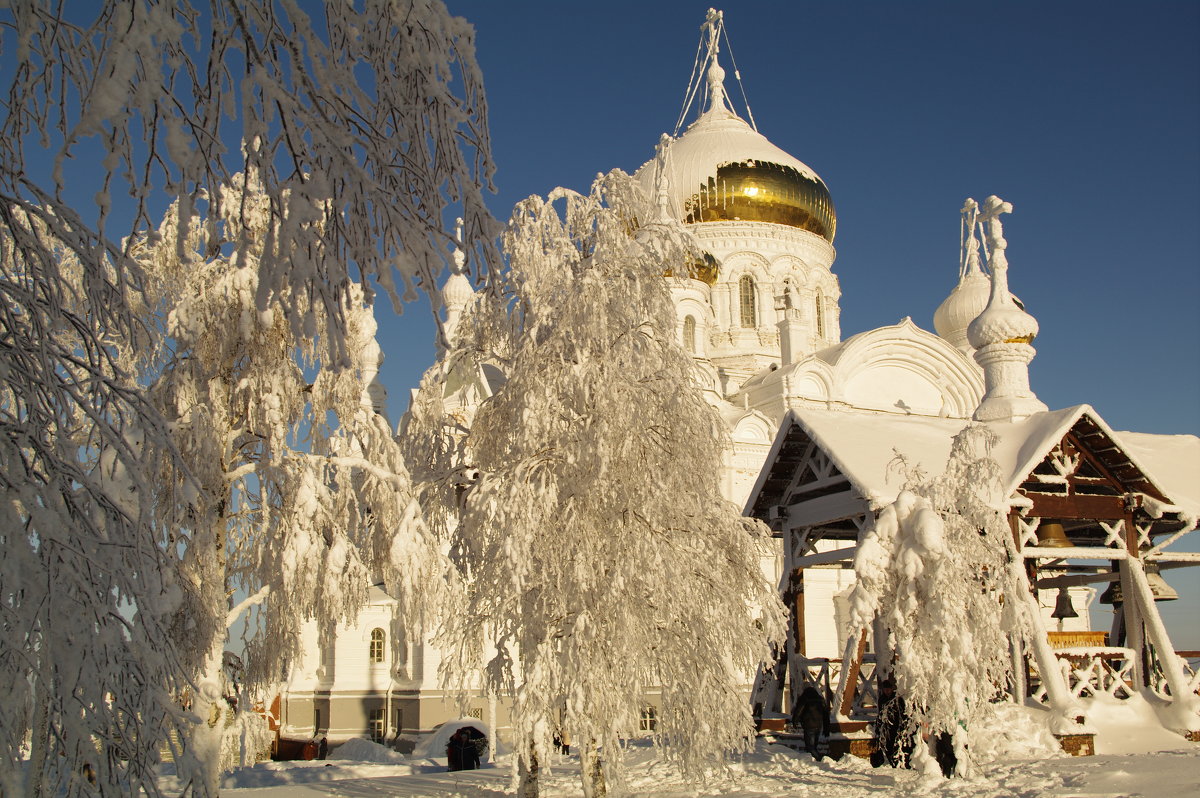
359,127
294,489
586,512
82,678
933,570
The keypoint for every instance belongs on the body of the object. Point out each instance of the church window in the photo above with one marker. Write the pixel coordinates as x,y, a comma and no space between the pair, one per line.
377,639
375,725
689,334
649,721
820,309
749,317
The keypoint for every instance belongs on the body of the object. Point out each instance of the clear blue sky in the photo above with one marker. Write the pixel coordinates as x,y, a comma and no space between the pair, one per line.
1084,115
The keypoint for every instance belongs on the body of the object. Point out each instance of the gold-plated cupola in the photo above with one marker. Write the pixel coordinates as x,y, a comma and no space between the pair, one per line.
764,192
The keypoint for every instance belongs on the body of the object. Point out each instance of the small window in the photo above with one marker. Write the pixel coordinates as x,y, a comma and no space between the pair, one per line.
375,725
649,719
377,639
749,312
820,311
689,334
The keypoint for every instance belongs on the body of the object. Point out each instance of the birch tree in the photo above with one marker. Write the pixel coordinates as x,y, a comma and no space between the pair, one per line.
600,557
360,127
294,491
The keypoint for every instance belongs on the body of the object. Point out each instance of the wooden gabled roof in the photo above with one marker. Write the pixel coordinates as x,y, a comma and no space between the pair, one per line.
864,446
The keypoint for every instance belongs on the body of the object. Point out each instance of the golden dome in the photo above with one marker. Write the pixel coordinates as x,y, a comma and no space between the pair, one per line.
722,169
764,192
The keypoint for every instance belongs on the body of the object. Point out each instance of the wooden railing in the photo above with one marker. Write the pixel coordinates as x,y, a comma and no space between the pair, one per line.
826,674
1109,670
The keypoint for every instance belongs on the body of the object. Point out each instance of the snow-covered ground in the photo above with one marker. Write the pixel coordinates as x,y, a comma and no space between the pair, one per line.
1139,758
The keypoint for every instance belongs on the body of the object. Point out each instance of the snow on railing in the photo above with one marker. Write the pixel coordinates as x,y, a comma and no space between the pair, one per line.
1191,668
1109,670
1189,662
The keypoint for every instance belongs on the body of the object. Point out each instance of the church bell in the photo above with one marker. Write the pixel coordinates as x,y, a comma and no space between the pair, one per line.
1063,608
1159,589
1051,535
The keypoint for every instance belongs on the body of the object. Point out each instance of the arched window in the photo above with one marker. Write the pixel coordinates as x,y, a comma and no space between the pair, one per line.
689,334
746,296
377,639
820,309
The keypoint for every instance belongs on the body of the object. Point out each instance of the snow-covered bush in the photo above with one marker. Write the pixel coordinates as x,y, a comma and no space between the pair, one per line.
934,570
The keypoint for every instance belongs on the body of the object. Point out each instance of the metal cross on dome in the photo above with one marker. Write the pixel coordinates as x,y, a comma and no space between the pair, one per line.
714,77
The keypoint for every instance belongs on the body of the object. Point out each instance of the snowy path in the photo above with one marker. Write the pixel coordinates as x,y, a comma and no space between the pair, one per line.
776,773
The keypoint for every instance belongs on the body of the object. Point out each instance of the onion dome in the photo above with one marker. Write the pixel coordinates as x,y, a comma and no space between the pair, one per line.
1004,320
457,291
974,289
965,303
722,169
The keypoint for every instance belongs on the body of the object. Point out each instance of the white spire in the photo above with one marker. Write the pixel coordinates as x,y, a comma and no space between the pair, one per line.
457,292
713,25
1002,334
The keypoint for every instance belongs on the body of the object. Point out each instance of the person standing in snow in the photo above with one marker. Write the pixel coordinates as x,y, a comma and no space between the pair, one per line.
811,715
454,751
461,753
323,748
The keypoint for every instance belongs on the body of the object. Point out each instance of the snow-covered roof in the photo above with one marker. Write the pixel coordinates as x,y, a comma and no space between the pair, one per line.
1174,460
864,446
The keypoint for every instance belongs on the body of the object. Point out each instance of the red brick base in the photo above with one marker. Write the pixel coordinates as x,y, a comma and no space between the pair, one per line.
861,747
1078,744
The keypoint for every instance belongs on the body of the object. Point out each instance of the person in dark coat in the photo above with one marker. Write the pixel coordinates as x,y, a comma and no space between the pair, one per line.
323,748
811,715
461,753
896,740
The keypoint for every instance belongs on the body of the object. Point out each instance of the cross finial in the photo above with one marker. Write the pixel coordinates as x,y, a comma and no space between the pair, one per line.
968,242
713,25
460,258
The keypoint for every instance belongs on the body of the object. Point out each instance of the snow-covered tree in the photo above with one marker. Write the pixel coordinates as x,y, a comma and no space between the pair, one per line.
600,557
934,569
360,126
293,488
85,680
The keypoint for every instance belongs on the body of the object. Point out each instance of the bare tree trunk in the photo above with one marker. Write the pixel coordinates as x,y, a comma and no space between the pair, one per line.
528,771
592,770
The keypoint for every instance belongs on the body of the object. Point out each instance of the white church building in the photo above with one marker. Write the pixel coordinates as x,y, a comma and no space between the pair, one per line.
813,419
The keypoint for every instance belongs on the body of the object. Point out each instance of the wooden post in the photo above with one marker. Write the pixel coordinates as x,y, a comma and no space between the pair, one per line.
1135,636
850,676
